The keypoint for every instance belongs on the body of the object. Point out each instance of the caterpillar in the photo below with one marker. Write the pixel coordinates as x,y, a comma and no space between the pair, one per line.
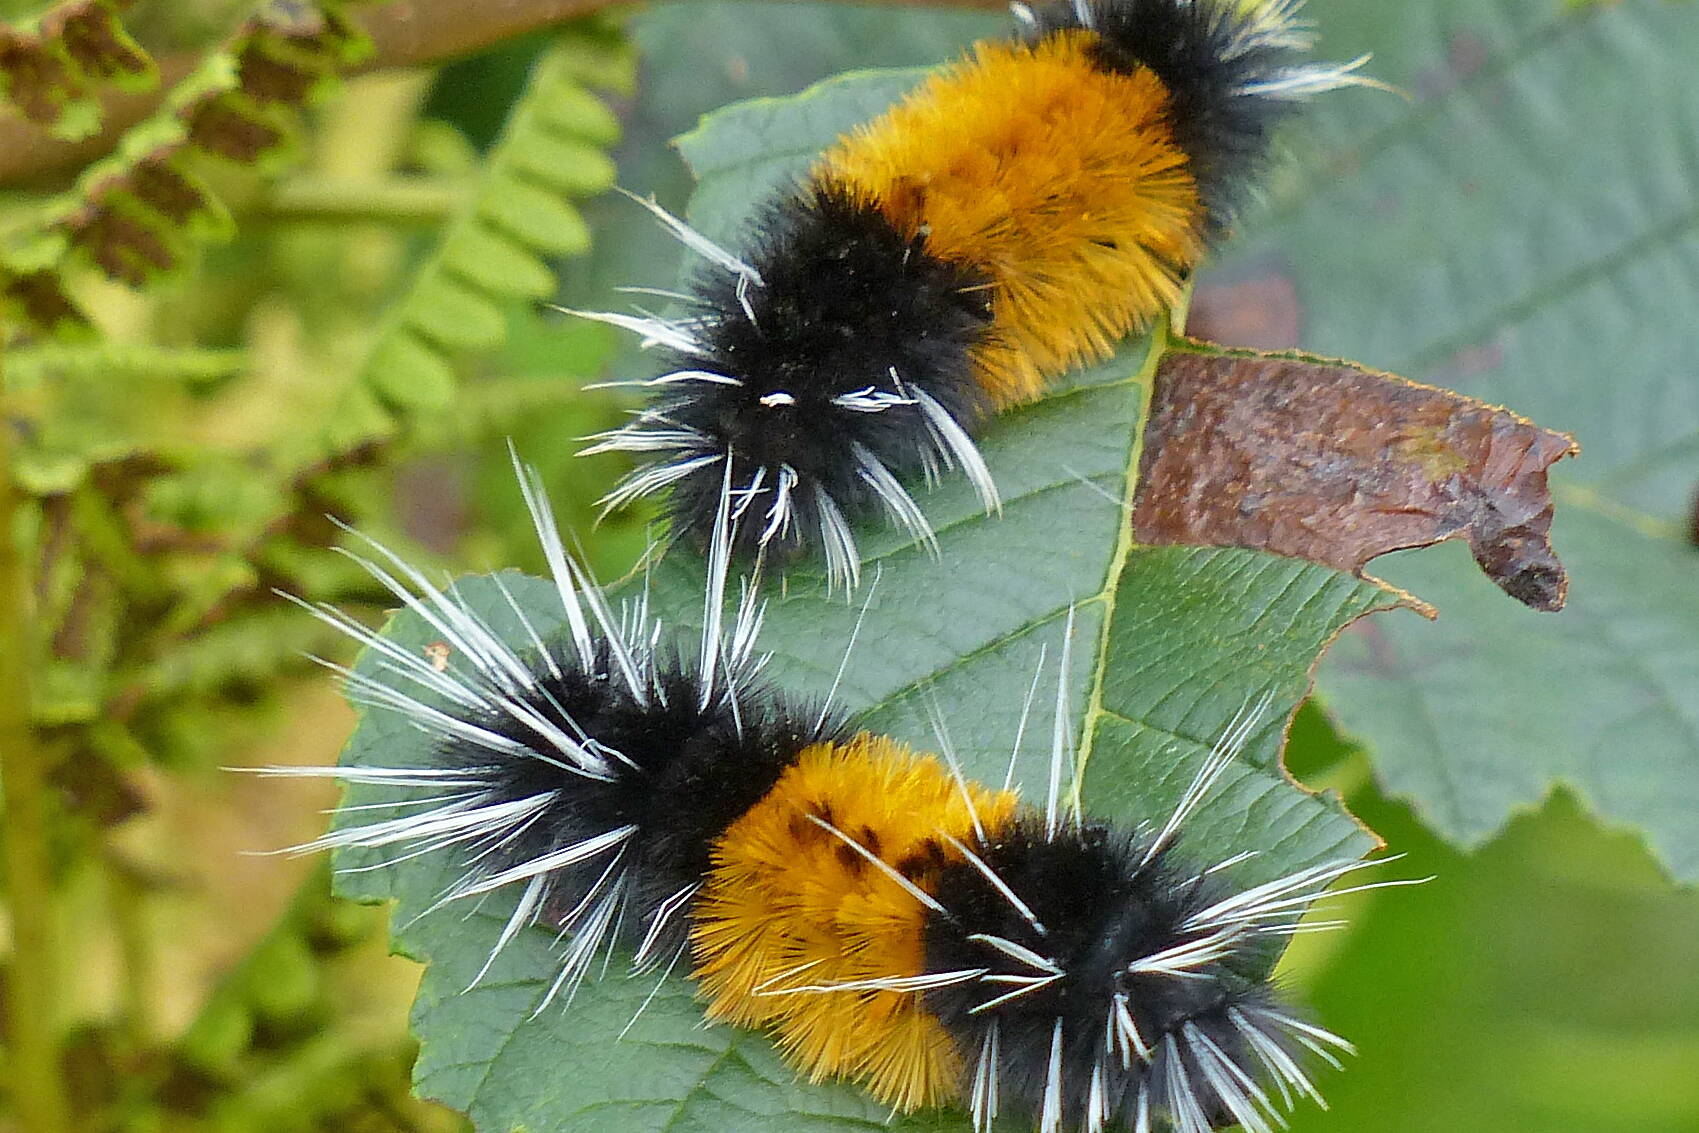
883,918
1016,215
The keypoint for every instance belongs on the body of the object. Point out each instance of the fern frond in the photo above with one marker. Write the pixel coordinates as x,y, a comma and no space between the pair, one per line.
249,648
75,404
551,152
118,361
135,214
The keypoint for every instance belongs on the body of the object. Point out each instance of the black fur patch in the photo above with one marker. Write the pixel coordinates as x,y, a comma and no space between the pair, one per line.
687,774
847,300
1101,911
1190,45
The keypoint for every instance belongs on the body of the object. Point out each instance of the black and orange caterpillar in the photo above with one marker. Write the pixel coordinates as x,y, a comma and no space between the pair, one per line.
1016,215
886,920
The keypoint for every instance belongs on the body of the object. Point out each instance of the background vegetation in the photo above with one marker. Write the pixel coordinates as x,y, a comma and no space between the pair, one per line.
265,262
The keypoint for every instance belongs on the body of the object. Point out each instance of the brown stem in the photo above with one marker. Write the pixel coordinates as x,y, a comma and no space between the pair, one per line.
405,33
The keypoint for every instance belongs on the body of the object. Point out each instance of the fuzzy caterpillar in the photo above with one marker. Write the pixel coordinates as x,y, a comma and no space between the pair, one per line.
1015,216
886,920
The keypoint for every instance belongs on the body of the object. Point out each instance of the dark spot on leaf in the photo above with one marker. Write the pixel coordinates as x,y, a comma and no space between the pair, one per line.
1466,55
431,503
1381,658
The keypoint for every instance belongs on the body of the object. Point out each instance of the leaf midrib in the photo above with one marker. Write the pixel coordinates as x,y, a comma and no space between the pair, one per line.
1590,499
1376,142
1529,303
1146,379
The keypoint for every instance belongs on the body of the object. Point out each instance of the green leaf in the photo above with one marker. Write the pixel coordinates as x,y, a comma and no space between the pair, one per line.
732,152
135,213
1525,231
44,364
577,112
537,217
1168,644
1543,982
453,314
408,372
498,264
64,400
569,163
55,78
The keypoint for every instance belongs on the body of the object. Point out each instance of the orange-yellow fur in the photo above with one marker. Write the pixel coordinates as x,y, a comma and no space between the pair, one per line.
787,904
1059,180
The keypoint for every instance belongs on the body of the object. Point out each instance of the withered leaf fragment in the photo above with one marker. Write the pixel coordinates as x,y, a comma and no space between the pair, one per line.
1330,463
57,62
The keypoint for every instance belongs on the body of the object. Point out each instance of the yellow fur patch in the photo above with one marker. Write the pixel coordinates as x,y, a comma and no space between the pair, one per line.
1060,181
787,904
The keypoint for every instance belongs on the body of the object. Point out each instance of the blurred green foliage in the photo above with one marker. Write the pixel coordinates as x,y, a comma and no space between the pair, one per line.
213,339
280,298
1544,982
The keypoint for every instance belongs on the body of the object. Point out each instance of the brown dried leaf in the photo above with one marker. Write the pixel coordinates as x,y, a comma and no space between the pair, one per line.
124,247
167,191
37,80
216,126
40,299
267,79
1326,462
96,41
75,46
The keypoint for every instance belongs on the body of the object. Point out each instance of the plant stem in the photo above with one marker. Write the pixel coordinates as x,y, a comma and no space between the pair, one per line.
126,893
387,200
38,1096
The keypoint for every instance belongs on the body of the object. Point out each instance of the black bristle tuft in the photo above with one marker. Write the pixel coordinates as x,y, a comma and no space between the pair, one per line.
1212,56
584,768
1102,907
682,775
847,304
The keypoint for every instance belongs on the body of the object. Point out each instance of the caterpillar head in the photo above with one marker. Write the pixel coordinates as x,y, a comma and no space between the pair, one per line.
1112,986
812,380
